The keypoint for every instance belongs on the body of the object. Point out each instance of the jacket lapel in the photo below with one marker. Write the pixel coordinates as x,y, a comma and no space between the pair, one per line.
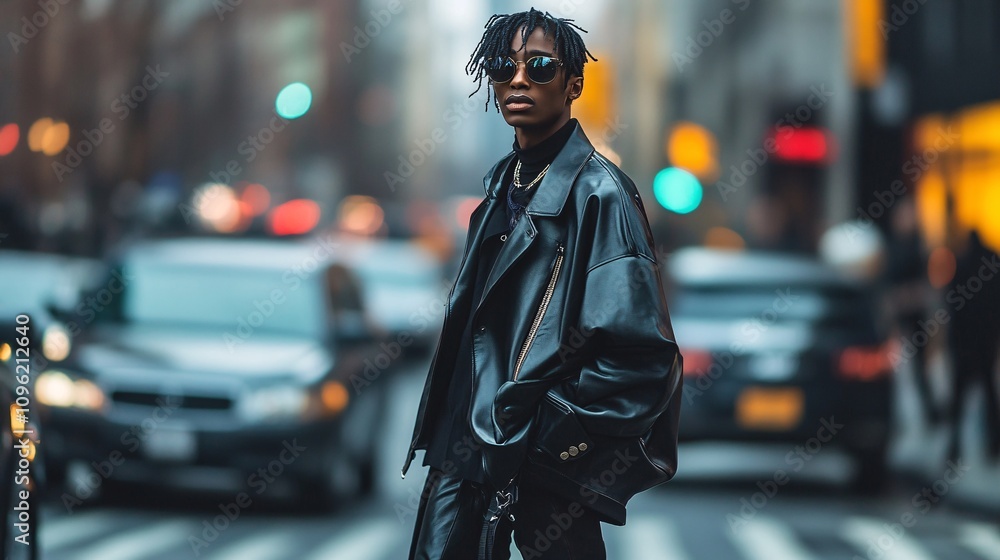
553,190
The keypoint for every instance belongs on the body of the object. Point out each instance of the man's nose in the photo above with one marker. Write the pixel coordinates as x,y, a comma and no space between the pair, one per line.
520,79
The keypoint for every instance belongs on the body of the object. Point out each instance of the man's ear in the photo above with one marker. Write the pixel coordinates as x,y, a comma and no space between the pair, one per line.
574,88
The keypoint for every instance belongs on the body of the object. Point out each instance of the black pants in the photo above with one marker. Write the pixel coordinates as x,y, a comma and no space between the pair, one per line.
546,526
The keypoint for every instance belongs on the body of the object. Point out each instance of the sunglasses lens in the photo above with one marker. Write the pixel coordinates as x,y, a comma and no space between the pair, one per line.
542,69
501,70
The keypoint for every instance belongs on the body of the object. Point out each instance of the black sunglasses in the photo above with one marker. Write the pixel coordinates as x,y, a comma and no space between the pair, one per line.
540,69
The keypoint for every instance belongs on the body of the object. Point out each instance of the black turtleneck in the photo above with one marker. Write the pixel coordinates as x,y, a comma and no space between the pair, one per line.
533,160
452,448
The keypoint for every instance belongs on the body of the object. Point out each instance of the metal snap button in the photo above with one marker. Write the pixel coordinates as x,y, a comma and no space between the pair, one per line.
573,450
583,446
482,328
564,455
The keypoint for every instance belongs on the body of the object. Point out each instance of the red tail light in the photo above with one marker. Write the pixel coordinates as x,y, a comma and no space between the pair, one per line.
696,362
865,363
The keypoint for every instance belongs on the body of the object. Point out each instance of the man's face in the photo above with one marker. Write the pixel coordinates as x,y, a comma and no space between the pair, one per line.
525,104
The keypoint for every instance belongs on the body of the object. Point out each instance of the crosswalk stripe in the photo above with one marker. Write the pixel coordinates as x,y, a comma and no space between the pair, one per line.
768,539
981,538
649,538
371,540
864,532
62,531
267,546
149,540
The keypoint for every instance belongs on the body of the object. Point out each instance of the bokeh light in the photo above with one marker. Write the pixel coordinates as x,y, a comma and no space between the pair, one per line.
361,215
36,133
692,147
218,207
256,198
293,100
723,238
677,190
294,217
55,138
9,136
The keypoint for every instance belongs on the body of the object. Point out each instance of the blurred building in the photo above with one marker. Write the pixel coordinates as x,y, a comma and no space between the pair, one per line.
785,117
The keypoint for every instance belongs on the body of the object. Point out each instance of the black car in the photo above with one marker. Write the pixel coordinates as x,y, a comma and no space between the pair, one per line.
782,348
205,360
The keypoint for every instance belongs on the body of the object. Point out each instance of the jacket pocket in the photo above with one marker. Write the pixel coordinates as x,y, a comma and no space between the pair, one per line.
558,430
550,288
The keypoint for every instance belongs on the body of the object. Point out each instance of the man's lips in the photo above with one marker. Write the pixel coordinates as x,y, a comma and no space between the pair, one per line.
518,102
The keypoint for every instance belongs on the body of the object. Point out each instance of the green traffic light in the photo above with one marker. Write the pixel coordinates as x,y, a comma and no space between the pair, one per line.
293,100
677,190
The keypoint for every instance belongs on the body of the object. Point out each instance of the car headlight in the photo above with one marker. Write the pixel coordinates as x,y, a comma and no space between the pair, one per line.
56,388
274,403
55,343
284,403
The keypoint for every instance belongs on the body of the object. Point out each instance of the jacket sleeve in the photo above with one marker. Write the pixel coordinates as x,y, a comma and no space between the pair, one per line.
632,370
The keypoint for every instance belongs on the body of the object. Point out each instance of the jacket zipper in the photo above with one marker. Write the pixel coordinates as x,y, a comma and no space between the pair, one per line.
541,311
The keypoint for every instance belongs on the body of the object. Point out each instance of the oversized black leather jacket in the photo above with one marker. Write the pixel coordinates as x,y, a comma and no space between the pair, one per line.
576,377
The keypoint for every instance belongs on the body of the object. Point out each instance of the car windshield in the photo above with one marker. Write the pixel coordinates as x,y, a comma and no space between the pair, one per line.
232,298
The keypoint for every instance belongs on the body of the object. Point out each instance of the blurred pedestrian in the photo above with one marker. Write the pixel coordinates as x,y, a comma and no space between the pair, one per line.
557,364
974,336
906,275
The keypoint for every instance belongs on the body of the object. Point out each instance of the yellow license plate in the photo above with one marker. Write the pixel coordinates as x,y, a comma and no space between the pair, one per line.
769,408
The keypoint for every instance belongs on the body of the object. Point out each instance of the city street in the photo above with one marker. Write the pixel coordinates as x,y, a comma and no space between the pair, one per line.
723,505
755,252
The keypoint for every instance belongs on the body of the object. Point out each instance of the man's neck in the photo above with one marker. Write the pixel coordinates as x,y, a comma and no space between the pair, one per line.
528,137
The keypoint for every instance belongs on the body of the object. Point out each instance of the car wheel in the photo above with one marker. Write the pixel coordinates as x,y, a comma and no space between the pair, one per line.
871,472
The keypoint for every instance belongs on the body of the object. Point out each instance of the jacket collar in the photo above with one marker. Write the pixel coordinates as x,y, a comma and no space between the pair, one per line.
554,187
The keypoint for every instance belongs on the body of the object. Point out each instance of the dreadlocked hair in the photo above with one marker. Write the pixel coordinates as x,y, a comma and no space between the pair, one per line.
500,30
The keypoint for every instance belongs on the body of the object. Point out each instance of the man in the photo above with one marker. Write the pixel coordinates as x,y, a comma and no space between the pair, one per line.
554,392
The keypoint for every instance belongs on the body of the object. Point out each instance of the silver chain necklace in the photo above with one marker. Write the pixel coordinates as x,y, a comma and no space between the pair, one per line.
517,176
